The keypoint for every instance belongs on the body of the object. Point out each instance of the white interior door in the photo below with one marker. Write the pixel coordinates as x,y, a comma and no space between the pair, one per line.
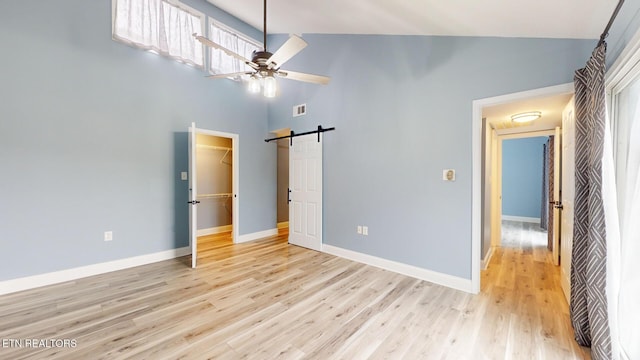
568,195
305,198
556,194
193,193
496,201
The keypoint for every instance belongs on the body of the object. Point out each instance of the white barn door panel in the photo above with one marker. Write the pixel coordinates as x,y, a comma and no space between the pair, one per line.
305,193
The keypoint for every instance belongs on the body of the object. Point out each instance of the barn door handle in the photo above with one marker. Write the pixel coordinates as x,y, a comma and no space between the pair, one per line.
288,195
558,205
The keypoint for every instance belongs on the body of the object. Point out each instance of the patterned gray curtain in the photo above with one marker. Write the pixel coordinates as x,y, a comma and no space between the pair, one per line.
589,257
544,207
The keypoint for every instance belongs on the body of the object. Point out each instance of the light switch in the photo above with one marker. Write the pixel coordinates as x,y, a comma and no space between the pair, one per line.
184,176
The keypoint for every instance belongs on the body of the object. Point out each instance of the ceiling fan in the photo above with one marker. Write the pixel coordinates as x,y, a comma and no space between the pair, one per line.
266,65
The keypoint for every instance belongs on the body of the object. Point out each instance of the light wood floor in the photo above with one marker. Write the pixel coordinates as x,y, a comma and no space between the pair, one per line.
267,300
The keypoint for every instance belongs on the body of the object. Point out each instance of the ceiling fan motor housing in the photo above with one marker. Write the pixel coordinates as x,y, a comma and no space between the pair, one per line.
261,57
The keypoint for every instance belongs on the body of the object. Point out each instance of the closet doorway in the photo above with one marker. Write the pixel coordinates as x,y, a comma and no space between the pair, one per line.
213,184
282,182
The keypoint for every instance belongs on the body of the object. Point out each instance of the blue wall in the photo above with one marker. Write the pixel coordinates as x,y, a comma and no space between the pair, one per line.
402,106
93,138
522,161
92,135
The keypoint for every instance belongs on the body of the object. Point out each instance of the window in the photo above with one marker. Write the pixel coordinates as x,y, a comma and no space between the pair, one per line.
160,26
623,86
627,121
222,63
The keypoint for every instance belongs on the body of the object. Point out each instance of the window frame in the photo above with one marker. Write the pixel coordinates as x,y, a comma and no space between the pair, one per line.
624,71
180,5
239,34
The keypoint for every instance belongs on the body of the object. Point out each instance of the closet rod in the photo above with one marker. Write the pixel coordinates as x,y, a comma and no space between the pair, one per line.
220,195
213,147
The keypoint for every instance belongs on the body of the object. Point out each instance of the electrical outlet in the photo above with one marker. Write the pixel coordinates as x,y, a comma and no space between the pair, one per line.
365,230
359,229
108,235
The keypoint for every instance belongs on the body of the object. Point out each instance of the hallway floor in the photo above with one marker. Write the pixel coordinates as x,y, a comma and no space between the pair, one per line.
533,311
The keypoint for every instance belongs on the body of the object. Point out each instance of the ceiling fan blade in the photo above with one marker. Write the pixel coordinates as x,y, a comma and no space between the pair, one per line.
310,78
211,44
230,75
288,50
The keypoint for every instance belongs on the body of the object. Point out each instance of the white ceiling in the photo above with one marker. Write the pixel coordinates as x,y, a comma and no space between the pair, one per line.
551,107
575,19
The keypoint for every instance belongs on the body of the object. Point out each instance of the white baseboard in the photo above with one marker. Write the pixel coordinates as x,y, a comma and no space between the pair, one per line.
404,269
284,224
30,282
487,258
214,230
521,218
256,235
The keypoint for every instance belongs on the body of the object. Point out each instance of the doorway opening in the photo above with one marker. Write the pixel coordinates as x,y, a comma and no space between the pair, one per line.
282,215
527,184
492,126
215,192
213,185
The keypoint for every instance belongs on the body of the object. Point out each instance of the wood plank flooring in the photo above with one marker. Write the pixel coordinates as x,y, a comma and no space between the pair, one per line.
271,300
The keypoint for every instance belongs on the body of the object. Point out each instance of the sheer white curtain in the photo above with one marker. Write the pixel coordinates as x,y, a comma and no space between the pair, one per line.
222,63
611,219
160,26
628,189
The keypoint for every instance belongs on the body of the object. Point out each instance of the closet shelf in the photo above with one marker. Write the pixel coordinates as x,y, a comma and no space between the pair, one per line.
214,196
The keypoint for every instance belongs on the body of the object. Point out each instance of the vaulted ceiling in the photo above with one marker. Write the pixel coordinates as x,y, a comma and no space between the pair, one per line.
573,19
565,19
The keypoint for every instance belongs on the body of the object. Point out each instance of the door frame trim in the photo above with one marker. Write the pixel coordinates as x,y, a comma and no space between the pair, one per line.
235,183
476,146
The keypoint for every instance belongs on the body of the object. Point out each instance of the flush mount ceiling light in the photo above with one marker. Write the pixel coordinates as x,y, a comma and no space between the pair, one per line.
526,116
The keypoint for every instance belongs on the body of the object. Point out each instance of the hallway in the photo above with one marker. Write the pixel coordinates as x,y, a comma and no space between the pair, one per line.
523,281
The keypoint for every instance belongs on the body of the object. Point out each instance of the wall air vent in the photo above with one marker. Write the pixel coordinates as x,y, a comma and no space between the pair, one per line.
299,110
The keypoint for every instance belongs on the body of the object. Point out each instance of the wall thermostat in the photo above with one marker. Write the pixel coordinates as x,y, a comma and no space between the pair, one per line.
449,175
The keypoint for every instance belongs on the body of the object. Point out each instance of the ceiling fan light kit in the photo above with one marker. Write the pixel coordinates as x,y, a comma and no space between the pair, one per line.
253,85
270,87
526,116
265,65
